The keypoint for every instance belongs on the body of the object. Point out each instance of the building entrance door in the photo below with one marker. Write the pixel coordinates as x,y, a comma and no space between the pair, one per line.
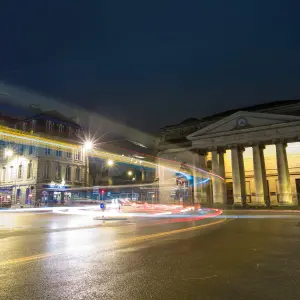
229,187
298,190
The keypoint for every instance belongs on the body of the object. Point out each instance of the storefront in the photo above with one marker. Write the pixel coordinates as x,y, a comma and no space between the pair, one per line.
54,194
5,196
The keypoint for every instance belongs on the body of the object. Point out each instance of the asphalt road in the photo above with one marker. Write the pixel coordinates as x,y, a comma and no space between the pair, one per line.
246,256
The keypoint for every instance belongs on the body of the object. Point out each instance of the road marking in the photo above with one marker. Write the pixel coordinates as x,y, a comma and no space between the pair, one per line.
117,243
29,258
167,233
201,278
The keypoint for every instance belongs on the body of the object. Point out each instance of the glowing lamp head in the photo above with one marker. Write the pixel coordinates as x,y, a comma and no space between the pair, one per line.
8,153
88,145
110,163
129,173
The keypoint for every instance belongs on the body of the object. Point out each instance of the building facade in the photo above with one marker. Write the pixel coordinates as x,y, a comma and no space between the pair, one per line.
256,150
28,171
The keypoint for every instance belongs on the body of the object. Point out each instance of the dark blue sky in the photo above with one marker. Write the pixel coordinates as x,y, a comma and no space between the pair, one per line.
153,63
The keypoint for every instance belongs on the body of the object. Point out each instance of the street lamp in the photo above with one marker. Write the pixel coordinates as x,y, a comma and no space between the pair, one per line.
87,146
8,152
110,163
133,180
129,173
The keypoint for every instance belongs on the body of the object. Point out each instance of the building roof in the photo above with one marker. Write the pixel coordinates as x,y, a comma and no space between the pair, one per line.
53,115
258,107
190,120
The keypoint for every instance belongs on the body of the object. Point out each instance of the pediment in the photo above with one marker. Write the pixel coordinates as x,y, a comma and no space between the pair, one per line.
242,120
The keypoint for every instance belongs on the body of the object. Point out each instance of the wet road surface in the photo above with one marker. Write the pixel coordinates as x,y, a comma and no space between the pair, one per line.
51,256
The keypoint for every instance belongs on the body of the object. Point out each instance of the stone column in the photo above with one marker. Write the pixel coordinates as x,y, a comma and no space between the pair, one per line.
260,178
238,176
223,190
217,197
195,177
163,191
285,195
203,186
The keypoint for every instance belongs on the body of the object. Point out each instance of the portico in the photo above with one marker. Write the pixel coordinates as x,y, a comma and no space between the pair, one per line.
249,150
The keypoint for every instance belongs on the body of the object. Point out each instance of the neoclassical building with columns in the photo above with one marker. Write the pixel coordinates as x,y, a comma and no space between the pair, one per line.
255,149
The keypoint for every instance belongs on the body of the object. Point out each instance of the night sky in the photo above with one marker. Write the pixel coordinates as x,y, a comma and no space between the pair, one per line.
153,63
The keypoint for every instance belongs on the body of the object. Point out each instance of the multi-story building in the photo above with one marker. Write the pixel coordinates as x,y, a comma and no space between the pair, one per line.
254,149
101,173
28,172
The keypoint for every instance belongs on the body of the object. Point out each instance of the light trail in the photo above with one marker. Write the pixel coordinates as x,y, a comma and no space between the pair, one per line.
20,137
108,245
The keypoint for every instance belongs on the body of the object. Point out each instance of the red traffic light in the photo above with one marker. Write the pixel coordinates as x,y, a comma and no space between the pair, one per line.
102,191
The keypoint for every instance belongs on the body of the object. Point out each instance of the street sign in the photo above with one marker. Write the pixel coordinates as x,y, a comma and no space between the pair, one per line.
102,206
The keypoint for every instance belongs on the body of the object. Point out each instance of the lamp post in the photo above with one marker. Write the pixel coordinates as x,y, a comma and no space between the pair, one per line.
129,173
133,180
87,147
7,154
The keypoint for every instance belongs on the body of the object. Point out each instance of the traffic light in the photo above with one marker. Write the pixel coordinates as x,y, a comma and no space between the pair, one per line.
102,192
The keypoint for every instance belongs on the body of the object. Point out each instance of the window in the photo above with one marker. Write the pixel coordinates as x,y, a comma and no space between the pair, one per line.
58,152
24,126
60,128
4,174
21,149
29,170
31,150
47,170
33,124
49,125
47,151
58,172
77,174
70,130
78,155
77,132
69,154
20,171
68,173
